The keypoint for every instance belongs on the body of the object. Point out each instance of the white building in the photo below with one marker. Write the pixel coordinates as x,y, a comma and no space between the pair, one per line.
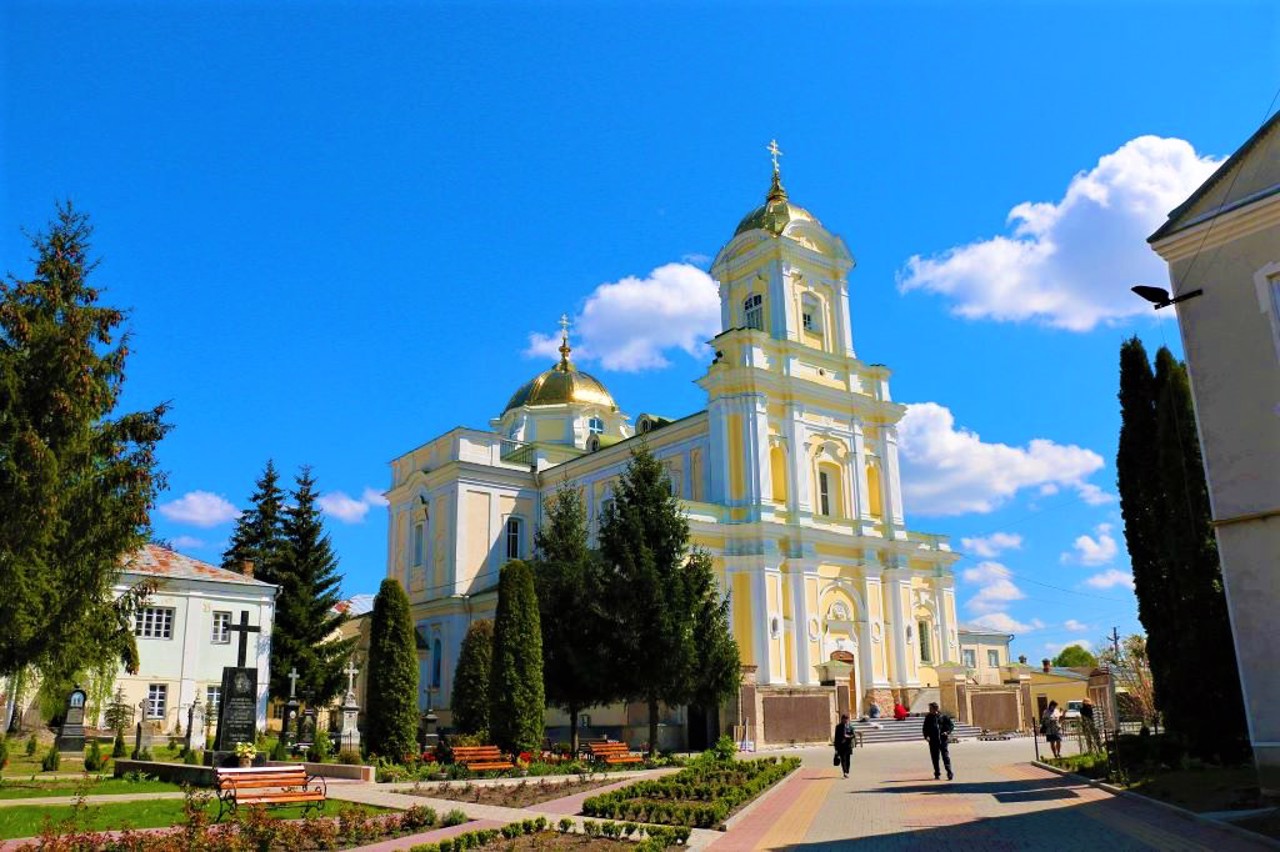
184,637
1223,250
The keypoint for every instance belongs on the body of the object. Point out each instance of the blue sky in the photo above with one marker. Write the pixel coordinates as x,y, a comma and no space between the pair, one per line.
340,229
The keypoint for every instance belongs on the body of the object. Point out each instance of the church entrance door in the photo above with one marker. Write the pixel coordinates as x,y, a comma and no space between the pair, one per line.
703,727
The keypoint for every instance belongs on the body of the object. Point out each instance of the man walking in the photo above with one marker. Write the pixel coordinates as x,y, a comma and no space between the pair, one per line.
844,743
937,730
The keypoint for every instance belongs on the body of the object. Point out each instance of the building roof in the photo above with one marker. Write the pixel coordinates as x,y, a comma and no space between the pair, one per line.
158,561
563,383
356,606
975,630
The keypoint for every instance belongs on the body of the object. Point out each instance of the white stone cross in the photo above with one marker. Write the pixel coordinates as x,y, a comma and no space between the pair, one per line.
351,671
293,681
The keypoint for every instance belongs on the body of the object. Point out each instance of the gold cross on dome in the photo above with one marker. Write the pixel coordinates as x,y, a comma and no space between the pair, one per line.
564,325
775,151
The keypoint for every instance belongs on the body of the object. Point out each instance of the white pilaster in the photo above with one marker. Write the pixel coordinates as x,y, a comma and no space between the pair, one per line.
891,477
945,652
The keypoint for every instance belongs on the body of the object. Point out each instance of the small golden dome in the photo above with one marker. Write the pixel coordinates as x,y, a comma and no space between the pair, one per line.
776,212
563,383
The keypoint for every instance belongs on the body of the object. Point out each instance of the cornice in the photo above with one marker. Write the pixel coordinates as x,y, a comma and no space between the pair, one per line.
1220,229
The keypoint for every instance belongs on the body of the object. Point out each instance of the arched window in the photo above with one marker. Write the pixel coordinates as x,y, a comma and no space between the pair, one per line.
436,663
595,426
753,312
514,530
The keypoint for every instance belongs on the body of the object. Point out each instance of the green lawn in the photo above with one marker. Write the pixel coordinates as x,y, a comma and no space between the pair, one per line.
27,820
25,789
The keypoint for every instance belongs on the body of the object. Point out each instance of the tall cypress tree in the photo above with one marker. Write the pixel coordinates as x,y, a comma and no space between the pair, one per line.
305,624
391,714
643,541
77,478
517,705
576,653
258,535
470,699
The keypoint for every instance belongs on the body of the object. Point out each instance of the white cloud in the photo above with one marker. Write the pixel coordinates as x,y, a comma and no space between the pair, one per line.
200,508
1006,623
950,471
1093,495
628,325
1109,578
1094,551
349,510
997,589
992,545
1070,264
1055,648
1077,627
187,541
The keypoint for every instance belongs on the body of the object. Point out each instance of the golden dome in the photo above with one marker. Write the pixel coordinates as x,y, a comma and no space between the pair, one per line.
776,212
563,383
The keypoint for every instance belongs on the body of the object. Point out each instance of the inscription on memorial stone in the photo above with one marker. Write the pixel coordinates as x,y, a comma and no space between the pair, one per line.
238,715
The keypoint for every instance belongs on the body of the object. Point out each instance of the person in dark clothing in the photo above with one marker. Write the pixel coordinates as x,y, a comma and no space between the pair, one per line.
937,730
844,743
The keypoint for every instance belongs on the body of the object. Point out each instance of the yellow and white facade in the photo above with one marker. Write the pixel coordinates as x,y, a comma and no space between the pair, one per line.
790,479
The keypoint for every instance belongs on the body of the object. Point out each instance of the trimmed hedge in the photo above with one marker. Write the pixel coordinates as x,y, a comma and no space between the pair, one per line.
702,796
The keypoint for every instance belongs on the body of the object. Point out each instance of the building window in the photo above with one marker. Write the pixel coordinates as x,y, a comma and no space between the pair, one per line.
419,538
213,700
753,312
970,658
221,628
513,538
926,642
436,664
595,426
824,493
157,699
154,622
993,659
811,314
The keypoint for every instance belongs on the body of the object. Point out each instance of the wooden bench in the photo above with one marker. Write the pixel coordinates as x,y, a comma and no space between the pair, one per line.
268,785
479,758
613,753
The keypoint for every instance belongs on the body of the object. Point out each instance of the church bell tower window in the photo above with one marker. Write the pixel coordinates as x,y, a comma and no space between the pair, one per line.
824,493
596,426
753,312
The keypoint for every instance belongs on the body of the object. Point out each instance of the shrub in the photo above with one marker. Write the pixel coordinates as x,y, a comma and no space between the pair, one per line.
518,705
32,745
565,825
52,759
142,754
119,749
470,701
349,758
321,747
280,751
191,757
391,717
418,817
4,753
454,817
94,761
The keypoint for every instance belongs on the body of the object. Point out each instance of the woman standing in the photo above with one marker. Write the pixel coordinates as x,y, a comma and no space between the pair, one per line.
1051,727
844,743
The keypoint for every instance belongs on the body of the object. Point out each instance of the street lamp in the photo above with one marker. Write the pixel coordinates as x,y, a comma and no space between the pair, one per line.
1159,296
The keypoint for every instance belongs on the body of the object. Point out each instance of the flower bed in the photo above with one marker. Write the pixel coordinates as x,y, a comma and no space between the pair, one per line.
534,834
520,795
702,795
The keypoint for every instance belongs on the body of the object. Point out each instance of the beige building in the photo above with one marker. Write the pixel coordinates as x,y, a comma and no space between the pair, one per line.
1225,242
983,651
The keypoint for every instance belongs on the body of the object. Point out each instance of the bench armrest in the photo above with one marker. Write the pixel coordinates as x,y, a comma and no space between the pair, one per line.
317,782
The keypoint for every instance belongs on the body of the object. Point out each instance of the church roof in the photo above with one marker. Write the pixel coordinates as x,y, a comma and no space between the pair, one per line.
776,213
160,561
563,383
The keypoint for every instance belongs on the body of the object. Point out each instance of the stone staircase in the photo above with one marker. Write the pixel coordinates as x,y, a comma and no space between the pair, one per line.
908,730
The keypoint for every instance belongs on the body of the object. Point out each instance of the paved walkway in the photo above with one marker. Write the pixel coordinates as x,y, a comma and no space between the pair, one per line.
999,801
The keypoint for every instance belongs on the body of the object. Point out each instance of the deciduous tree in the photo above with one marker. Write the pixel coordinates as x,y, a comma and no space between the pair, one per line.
77,478
391,711
1075,655
517,706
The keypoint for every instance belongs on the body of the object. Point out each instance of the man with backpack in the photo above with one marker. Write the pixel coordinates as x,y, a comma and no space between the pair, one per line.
937,730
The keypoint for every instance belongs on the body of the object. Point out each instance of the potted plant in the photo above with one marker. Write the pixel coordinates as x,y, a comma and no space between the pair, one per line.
245,753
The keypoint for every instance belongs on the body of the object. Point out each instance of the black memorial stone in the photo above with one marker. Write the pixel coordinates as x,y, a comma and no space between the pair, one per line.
71,734
238,714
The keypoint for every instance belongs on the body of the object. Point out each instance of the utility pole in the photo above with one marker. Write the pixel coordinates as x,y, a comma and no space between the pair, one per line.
1115,641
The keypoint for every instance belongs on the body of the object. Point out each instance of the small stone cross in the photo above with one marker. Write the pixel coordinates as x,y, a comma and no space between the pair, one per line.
293,682
351,671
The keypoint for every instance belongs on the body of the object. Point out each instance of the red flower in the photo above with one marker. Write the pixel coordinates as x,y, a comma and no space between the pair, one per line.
525,756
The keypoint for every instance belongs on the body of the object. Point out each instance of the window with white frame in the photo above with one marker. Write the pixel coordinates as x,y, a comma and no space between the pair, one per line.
419,540
753,312
595,426
514,530
811,314
221,628
993,659
213,700
970,658
157,700
824,493
153,622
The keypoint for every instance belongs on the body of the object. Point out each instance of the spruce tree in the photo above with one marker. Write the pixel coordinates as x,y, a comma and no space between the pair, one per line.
643,541
258,535
576,652
517,706
307,572
391,711
77,478
716,673
470,700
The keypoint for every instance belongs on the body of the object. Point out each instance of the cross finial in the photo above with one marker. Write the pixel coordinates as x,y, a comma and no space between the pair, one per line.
776,192
564,342
776,152
564,325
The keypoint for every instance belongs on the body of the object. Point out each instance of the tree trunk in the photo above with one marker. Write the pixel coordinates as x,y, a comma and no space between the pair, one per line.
653,727
15,722
574,712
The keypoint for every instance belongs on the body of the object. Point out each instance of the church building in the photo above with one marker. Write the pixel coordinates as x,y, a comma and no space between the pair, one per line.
789,477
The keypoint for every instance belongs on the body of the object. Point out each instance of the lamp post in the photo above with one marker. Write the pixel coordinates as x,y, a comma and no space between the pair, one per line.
1160,298
429,721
